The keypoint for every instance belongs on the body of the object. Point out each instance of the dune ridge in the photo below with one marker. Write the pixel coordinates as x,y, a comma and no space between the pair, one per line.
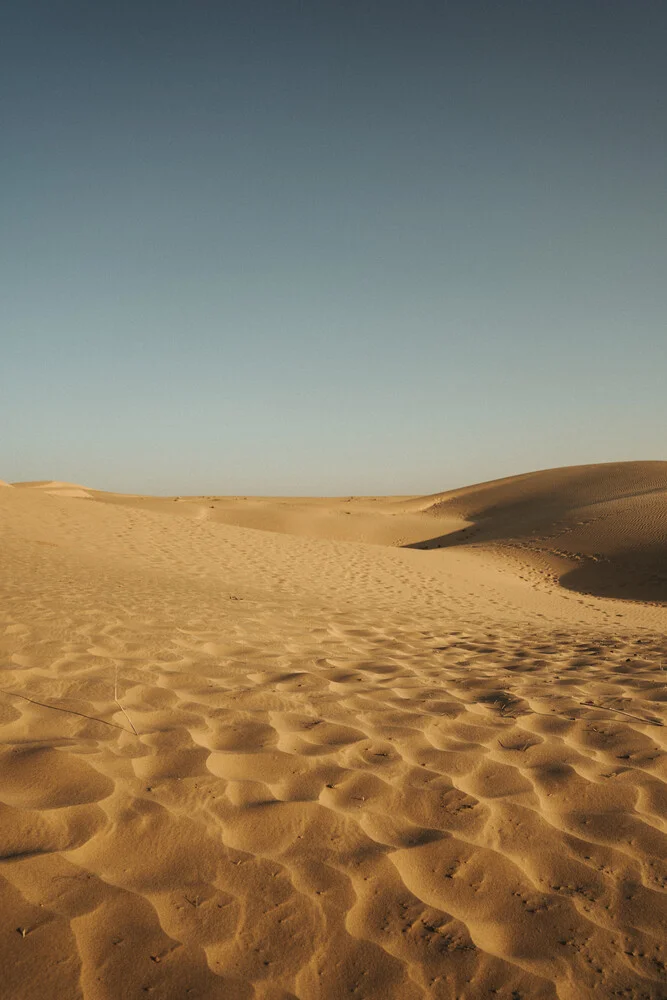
298,756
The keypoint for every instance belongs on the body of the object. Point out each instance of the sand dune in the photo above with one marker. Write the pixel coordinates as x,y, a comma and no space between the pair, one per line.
58,489
598,529
271,748
603,526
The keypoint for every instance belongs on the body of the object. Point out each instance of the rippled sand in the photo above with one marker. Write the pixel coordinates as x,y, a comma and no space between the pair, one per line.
273,748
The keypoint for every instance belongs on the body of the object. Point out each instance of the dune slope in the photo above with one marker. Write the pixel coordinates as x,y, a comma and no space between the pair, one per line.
239,763
604,527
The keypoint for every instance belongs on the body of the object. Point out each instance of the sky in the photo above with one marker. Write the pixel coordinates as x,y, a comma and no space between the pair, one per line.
326,247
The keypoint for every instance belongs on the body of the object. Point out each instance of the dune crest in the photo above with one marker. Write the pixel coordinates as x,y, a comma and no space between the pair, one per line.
57,488
270,748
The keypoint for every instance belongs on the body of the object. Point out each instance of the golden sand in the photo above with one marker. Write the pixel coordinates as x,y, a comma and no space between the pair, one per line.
372,748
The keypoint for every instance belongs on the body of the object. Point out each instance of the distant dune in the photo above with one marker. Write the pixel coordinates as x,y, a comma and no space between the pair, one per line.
599,529
271,749
57,488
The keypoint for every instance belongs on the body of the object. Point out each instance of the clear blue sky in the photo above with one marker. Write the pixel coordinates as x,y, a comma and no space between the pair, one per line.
330,246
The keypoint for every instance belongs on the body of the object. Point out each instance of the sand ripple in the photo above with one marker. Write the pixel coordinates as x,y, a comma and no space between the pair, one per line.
368,776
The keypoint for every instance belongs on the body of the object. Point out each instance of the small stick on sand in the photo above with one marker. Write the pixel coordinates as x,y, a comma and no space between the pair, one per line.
115,696
621,711
68,711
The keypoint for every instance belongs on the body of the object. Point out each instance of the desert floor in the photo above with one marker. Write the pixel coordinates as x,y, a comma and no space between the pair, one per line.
372,748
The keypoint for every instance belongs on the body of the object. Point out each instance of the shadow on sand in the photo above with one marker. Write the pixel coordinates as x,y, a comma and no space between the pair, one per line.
631,574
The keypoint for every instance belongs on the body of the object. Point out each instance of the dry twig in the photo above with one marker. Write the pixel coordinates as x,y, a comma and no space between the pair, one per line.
115,696
621,711
68,711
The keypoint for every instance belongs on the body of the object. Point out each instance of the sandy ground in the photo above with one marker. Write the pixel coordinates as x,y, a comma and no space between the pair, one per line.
323,748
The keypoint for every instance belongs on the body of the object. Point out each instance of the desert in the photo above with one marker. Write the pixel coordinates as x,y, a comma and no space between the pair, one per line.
333,510
387,748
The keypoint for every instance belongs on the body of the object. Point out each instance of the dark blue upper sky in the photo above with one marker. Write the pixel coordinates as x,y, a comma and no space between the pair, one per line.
331,247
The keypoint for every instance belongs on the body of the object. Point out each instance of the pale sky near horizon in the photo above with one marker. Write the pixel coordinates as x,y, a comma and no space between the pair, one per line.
330,247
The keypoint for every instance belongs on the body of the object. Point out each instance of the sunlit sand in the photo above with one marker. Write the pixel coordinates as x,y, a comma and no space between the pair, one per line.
393,747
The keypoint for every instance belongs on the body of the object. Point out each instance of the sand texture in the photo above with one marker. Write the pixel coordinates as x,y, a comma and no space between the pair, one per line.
371,748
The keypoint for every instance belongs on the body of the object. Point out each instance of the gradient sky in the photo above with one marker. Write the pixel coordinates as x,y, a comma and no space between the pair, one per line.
330,246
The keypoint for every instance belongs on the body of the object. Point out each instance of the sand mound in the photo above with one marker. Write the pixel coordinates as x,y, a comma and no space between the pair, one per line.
57,488
605,525
247,764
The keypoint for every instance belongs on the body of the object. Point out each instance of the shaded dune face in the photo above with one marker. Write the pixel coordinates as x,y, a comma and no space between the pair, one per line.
237,762
637,573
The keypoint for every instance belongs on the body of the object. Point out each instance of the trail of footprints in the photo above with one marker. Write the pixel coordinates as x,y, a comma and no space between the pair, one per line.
410,813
